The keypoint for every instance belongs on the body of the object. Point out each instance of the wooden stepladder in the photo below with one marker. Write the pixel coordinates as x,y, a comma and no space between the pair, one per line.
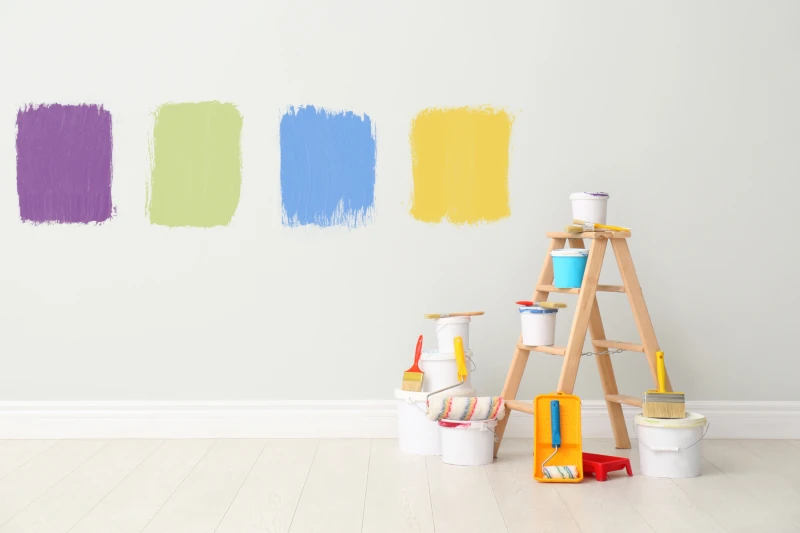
587,315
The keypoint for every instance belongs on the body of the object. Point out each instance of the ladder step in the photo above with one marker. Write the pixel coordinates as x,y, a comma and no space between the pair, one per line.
552,350
589,235
600,288
517,405
623,399
611,288
619,345
551,288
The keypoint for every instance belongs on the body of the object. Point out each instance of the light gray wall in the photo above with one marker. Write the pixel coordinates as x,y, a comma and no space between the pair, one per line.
688,113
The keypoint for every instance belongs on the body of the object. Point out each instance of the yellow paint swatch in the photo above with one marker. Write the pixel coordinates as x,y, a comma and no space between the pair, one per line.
460,165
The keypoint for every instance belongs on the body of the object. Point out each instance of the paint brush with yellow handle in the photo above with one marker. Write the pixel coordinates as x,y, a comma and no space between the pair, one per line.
579,226
461,363
660,403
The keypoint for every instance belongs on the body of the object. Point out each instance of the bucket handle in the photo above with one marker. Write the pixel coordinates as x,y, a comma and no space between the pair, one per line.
677,449
428,397
472,363
484,426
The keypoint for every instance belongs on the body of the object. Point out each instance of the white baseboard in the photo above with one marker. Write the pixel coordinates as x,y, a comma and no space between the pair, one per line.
331,419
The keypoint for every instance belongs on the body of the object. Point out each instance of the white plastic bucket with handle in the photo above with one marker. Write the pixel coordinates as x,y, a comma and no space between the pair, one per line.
448,329
670,448
441,371
590,206
467,442
416,434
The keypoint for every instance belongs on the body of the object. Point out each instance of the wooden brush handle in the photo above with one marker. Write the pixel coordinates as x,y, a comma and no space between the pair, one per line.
661,372
448,315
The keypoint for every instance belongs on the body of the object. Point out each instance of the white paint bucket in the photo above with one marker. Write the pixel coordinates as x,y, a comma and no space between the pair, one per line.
468,442
416,434
441,371
590,206
670,448
538,326
448,329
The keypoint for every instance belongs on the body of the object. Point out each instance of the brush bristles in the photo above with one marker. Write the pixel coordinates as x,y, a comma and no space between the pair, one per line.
412,381
663,406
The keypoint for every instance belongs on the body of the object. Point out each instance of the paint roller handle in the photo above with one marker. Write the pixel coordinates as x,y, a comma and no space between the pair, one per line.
661,372
555,423
461,364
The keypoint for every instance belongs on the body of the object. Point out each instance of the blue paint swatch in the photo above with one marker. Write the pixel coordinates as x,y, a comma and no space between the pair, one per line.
327,168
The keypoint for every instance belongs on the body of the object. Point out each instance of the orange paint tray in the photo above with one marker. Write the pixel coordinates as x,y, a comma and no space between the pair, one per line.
571,452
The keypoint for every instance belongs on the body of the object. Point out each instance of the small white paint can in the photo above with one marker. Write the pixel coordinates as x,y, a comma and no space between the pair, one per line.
448,329
416,434
538,325
441,371
590,206
670,448
467,442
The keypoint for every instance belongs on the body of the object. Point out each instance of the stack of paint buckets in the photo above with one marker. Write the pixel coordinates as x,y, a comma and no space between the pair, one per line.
416,434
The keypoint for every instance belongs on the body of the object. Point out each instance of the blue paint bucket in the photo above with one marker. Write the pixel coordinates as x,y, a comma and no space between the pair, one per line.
568,267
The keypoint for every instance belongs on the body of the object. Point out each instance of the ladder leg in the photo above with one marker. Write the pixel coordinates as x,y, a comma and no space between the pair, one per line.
636,299
606,371
514,377
608,380
580,322
510,389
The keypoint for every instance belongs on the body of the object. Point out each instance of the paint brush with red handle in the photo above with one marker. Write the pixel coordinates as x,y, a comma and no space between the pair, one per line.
412,378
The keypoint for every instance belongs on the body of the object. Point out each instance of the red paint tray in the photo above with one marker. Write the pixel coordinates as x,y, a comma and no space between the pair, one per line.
601,465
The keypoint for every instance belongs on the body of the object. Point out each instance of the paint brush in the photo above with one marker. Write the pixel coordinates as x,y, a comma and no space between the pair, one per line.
412,378
660,403
448,315
579,226
546,305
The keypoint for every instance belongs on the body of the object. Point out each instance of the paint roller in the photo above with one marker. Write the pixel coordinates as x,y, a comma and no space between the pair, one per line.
463,408
557,472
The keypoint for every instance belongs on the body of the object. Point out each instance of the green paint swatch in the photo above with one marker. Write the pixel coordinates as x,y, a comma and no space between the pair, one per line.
196,165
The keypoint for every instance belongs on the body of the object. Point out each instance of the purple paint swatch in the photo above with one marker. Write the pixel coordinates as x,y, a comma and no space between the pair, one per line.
64,164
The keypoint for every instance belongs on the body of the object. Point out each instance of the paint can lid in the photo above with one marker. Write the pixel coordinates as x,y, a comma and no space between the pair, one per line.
589,196
453,320
570,252
401,394
468,424
436,355
691,420
536,310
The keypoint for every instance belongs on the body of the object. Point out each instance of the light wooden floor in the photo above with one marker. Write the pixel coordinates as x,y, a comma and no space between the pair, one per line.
350,486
